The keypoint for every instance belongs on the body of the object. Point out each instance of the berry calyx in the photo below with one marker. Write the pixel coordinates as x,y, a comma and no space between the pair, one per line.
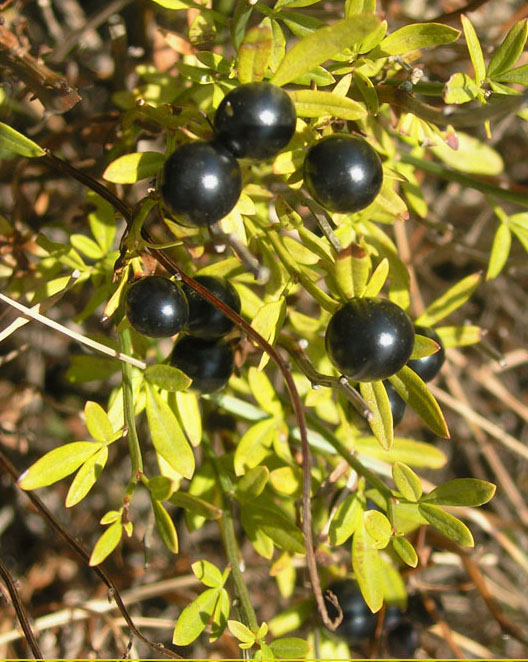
156,307
201,183
255,120
206,321
343,173
369,339
428,366
209,363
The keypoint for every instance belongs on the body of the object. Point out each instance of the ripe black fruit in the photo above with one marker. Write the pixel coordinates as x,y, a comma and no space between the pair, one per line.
255,121
206,321
343,173
369,339
397,403
156,307
358,623
403,640
209,363
201,183
428,366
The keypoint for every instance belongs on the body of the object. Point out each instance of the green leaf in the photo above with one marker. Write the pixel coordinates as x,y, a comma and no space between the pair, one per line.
16,143
98,423
196,505
189,415
475,51
262,543
406,481
368,92
86,246
518,75
167,377
376,397
377,279
254,445
167,436
289,648
352,270
194,618
405,551
57,464
165,526
461,492
241,632
414,37
279,527
252,483
447,524
220,615
86,368
459,336
287,480
314,103
414,453
254,54
161,488
102,221
86,477
111,516
378,528
268,322
322,45
460,88
367,568
406,517
472,156
353,7
500,251
208,574
449,301
507,54
416,394
264,393
423,346
130,168
347,518
106,543
301,25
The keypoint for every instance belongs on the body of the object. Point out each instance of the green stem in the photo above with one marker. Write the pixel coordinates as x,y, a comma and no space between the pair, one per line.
128,408
443,172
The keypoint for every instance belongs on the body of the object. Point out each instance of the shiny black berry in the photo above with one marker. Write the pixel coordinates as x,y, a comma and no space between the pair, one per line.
369,339
358,623
206,321
255,121
343,173
156,307
403,640
428,366
397,403
201,183
209,363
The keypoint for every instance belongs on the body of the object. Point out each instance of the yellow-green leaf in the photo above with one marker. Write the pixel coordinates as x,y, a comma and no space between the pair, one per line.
208,574
381,423
190,416
194,618
254,54
377,279
167,377
406,481
16,143
252,483
450,300
347,518
98,423
165,526
57,464
460,88
414,37
500,251
161,488
86,477
475,51
472,156
447,524
423,346
130,168
461,492
289,648
220,615
405,551
241,632
378,528
415,453
264,393
459,336
254,445
351,270
315,103
287,480
268,322
510,50
106,543
367,567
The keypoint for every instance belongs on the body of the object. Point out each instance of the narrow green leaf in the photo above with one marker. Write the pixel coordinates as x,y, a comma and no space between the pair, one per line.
264,393
368,92
414,37
405,551
268,322
98,423
262,543
252,483
254,445
314,103
254,54
459,336
289,648
167,377
194,618
348,517
241,632
377,279
423,346
130,168
165,526
475,50
287,480
414,453
279,45
447,524
220,615
449,301
507,54
472,156
161,488
353,7
406,517
106,543
406,481
460,88
322,45
279,527
111,516
196,505
500,251
352,270
461,492
416,394
367,568
167,436
518,75
86,246
16,143
102,221
519,226
57,464
86,477
208,574
378,528
381,423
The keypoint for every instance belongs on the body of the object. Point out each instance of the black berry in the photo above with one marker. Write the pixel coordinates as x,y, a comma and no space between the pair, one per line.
206,321
428,366
358,623
369,339
156,307
343,173
201,183
255,120
397,403
209,363
403,640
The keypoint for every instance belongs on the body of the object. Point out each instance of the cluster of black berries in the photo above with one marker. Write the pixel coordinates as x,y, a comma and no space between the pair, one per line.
202,180
159,308
401,628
